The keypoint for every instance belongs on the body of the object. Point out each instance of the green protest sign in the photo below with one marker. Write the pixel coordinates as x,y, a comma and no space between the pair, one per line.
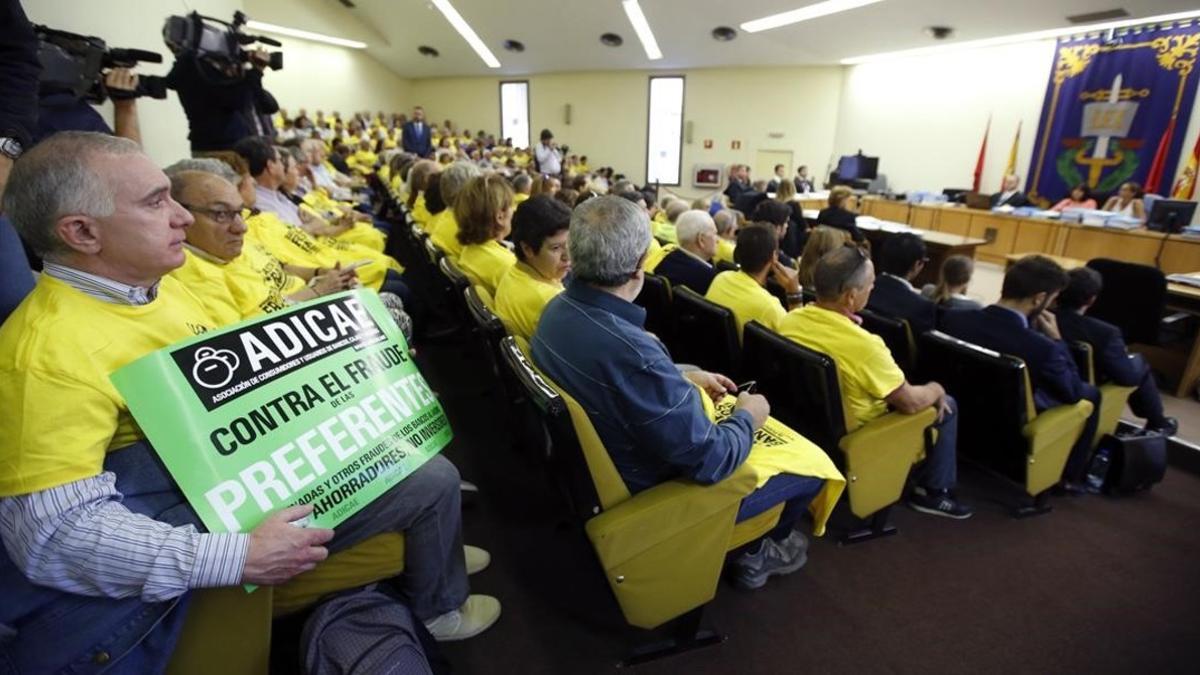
318,404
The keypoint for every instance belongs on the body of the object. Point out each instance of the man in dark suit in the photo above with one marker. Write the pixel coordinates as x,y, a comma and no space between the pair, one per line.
1010,194
1020,325
739,182
1111,360
416,136
780,175
691,264
901,259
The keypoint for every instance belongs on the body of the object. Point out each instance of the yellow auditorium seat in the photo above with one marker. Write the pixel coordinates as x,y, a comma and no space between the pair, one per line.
228,630
998,424
803,388
641,539
1113,397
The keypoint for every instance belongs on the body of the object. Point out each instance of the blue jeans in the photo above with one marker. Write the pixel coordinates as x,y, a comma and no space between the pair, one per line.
794,492
46,630
940,469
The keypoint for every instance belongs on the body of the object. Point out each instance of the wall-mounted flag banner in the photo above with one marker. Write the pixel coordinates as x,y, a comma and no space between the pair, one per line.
1110,106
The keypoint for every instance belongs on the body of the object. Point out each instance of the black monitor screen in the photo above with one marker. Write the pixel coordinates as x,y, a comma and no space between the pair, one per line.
1170,215
858,167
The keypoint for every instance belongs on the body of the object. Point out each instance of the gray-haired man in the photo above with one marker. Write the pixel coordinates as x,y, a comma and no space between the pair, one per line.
591,341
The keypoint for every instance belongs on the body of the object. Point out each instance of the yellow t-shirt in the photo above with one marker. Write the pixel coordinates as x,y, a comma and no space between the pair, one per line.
294,246
420,212
57,349
867,373
665,230
746,299
724,251
485,264
520,298
362,161
330,209
655,254
204,278
519,197
443,230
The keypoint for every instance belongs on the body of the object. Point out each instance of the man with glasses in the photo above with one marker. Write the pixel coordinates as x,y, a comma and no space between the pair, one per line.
901,259
870,380
237,279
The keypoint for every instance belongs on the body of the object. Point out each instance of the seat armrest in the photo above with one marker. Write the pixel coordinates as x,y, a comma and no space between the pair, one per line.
1051,435
662,550
878,458
622,531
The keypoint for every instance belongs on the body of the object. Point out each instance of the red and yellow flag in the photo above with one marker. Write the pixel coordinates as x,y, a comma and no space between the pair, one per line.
982,152
1185,185
1011,168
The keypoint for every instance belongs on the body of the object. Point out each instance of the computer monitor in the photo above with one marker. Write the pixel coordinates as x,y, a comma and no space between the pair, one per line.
1170,215
858,166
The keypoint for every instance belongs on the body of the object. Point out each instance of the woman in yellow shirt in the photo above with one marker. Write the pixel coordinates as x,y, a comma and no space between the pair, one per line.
418,177
539,231
484,213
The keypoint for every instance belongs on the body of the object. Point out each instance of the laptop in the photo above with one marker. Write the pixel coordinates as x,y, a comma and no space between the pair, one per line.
976,200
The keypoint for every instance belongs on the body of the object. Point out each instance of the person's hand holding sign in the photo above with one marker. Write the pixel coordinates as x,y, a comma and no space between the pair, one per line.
280,550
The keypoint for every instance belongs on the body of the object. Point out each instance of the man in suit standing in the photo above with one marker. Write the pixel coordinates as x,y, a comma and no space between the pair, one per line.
1020,325
1112,361
416,136
691,264
1010,194
901,259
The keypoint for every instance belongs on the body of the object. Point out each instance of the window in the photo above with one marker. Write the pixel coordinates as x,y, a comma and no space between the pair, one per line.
514,112
664,139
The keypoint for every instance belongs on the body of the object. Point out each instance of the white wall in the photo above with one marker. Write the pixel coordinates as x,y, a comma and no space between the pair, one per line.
135,24
609,113
318,76
924,117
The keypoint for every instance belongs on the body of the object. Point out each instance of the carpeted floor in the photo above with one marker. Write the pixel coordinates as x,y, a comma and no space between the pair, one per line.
1100,585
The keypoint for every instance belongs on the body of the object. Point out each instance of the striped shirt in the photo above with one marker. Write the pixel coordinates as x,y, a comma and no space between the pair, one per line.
79,538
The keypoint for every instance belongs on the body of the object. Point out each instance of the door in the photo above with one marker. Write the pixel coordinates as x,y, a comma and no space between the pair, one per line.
765,161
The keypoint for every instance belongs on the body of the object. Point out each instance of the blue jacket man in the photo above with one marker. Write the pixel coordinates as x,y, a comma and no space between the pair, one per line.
901,259
1020,325
591,342
415,136
1110,357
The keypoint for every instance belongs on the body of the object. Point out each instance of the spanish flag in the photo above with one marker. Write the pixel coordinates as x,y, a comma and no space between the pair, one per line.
1011,169
1185,185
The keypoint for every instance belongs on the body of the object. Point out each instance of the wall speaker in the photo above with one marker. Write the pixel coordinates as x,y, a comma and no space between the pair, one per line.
567,114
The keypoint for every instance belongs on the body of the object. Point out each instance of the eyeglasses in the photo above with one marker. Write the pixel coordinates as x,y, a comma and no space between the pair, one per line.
223,216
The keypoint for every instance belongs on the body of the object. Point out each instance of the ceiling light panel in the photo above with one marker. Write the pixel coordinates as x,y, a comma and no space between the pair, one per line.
804,14
464,29
633,10
304,35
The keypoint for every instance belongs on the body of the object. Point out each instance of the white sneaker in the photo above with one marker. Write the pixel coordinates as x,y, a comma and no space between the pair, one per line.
477,559
468,486
476,615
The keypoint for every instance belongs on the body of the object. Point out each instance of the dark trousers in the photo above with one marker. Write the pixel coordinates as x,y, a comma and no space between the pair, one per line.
794,492
1145,401
1081,453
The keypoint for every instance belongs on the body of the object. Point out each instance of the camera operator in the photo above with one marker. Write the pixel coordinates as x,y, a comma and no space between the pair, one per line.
64,111
220,100
19,70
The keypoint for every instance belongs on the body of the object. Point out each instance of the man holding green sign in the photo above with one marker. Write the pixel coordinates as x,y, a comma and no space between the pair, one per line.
313,413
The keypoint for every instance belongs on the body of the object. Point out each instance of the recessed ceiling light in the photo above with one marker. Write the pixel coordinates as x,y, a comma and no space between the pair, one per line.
633,10
304,35
723,33
612,40
514,45
464,29
1021,37
426,50
804,14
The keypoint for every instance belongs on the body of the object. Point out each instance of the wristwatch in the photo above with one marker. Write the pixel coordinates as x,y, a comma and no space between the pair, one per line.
11,147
